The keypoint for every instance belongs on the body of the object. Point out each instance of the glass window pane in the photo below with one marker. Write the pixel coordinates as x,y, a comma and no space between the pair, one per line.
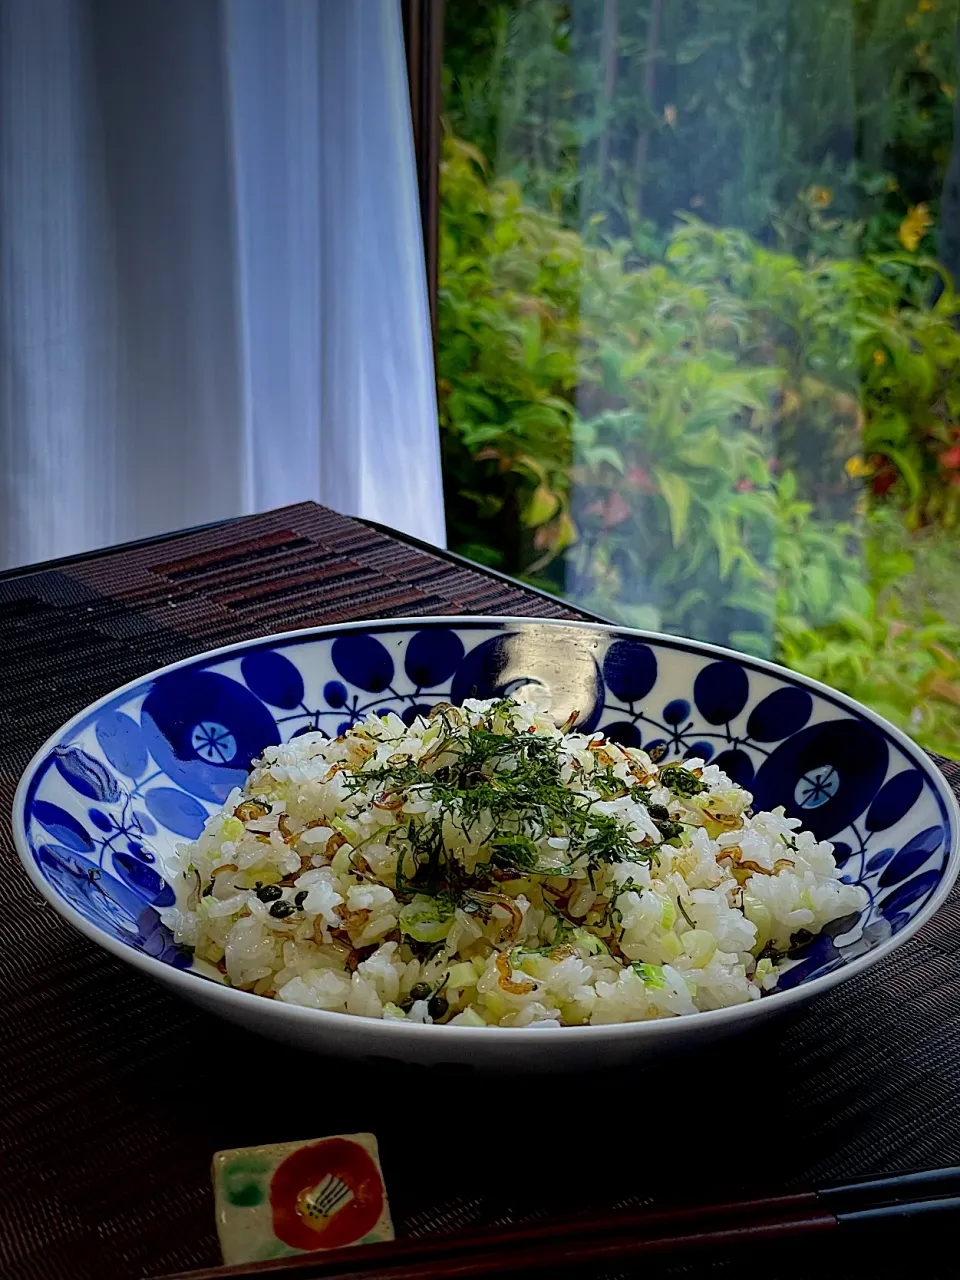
699,337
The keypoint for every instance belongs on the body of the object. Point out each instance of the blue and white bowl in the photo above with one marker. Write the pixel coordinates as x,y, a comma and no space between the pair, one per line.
104,802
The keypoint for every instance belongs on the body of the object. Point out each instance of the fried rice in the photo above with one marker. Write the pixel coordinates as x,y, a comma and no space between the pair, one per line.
482,867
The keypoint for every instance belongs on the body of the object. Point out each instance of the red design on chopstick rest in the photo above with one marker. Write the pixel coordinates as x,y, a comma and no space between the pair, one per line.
326,1195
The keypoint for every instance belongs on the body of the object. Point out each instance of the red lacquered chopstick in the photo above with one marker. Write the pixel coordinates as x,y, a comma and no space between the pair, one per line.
578,1241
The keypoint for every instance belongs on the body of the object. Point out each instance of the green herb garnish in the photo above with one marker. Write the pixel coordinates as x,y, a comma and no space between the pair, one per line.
681,781
510,780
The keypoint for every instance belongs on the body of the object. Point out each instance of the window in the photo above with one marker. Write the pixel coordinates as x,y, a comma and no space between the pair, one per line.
698,337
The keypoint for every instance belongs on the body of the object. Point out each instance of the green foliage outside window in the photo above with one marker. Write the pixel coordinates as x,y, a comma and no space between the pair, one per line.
744,435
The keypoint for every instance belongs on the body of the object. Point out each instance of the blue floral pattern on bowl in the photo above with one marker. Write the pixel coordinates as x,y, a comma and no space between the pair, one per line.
103,805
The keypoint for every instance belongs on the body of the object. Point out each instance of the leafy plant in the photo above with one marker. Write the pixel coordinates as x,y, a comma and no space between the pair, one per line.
905,668
699,367
662,440
814,124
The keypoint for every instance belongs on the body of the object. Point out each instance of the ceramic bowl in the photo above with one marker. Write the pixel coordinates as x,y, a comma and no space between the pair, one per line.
104,802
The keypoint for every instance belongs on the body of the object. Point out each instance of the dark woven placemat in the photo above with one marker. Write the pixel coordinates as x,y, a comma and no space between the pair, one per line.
114,1095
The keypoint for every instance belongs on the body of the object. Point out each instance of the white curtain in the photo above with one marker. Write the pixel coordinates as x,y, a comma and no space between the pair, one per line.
212,295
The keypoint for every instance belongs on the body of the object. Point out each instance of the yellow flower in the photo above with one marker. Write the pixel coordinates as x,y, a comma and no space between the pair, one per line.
857,466
820,197
791,403
670,114
879,357
915,226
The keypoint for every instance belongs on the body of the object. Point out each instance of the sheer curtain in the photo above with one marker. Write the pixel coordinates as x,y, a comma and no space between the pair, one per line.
212,296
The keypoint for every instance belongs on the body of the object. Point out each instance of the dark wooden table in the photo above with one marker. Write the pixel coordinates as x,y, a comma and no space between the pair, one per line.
115,1094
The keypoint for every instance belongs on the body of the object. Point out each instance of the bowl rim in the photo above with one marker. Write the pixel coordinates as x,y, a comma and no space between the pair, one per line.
185,980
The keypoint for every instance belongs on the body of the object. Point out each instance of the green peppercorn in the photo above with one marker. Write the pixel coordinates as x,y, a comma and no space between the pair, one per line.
421,991
298,898
658,812
437,1007
281,909
270,893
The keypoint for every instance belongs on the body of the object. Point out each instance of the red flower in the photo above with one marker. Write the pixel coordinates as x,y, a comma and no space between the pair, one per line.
615,512
883,480
950,458
302,1172
637,476
744,486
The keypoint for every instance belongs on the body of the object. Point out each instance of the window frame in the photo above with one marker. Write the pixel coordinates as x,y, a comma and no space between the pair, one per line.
423,41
